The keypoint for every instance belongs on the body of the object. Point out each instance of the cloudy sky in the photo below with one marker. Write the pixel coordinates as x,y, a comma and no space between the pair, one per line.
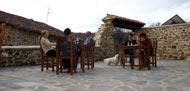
86,15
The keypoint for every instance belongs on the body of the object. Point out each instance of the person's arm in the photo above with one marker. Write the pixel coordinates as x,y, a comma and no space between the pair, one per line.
88,42
47,42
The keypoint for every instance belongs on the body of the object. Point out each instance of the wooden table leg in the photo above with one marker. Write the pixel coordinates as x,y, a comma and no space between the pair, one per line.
132,61
122,58
140,61
57,66
82,60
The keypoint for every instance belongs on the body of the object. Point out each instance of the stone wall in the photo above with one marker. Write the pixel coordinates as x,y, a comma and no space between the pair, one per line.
104,42
17,37
173,41
20,55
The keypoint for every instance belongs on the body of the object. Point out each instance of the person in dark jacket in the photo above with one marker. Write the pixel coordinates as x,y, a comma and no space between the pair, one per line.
89,40
130,42
66,62
145,42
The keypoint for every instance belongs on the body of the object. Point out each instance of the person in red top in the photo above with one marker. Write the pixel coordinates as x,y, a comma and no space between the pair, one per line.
145,42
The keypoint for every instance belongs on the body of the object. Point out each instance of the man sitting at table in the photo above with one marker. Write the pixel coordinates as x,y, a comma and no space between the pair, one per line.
130,42
89,40
66,62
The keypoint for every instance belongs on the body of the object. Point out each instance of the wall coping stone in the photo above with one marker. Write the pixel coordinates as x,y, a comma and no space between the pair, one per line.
167,25
20,47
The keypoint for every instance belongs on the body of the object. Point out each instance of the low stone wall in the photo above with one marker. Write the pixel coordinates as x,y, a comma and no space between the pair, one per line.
20,55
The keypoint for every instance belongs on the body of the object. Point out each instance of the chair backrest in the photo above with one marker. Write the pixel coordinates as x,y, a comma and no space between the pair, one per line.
2,33
145,48
64,47
154,45
90,49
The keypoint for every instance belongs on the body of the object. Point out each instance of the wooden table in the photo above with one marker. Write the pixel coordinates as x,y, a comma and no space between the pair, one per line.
122,55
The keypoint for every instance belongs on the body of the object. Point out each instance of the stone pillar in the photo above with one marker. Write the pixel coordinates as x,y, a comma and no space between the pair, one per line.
104,42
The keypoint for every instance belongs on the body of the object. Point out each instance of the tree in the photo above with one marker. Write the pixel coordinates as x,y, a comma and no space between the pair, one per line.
155,24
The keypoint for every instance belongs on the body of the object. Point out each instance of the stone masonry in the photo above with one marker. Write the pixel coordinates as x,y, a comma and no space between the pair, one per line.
19,57
19,37
104,42
173,41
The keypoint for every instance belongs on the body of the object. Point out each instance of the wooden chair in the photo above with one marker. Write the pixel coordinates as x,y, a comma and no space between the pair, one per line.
145,56
153,56
89,56
2,36
45,59
64,50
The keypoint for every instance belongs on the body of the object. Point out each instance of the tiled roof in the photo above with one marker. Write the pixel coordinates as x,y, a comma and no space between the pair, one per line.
129,20
123,22
27,24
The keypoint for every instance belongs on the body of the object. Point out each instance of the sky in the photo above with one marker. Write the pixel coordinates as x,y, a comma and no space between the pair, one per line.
86,15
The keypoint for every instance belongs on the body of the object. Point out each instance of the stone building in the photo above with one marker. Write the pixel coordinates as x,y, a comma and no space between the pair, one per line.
21,31
176,19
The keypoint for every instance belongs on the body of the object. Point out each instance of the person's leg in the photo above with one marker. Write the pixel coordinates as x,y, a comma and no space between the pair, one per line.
77,58
66,63
130,52
51,53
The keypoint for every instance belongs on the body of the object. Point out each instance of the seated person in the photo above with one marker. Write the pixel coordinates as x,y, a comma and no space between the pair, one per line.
128,42
145,42
66,62
46,44
88,42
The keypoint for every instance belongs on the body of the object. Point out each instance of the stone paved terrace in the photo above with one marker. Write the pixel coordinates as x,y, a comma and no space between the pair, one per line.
168,76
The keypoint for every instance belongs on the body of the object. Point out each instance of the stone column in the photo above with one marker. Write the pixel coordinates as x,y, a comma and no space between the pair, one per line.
104,42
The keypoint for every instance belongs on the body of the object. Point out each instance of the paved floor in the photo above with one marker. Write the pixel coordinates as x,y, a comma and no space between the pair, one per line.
168,76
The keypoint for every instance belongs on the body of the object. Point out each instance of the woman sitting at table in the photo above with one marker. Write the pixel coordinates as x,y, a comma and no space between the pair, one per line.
46,44
145,42
66,62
